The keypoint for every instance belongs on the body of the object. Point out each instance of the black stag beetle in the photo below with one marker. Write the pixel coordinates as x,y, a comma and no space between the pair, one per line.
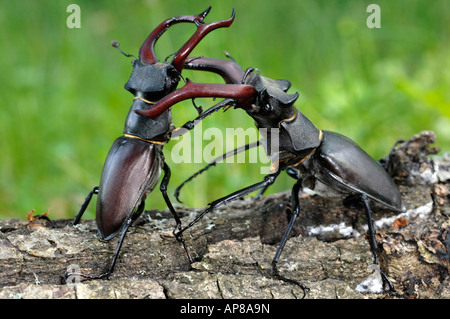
134,162
323,161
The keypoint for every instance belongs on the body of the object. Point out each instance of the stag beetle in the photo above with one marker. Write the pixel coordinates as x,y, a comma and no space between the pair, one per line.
324,161
134,162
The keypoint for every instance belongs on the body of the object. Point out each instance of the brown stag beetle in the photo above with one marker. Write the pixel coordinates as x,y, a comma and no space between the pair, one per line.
134,162
324,161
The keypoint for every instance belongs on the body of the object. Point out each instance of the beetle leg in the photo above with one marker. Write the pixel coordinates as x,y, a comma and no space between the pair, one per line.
214,162
163,189
295,212
77,218
372,240
290,171
261,192
178,189
126,225
268,180
191,124
387,162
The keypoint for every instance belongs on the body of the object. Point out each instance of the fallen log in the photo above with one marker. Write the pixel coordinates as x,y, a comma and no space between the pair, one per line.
234,246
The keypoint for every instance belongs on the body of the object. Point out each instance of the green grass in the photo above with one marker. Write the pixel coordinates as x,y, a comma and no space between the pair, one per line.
63,101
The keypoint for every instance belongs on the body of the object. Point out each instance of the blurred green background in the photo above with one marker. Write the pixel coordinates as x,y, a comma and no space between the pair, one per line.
63,102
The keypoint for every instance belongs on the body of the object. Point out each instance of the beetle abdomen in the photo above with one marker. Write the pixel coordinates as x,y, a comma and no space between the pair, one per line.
132,169
341,163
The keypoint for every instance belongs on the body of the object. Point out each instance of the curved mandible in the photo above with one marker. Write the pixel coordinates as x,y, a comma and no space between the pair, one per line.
229,70
147,51
200,33
244,95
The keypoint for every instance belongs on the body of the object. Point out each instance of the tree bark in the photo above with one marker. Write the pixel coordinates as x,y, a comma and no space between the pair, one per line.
233,246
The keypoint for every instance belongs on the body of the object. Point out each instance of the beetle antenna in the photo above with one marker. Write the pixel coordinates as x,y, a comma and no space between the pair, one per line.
169,56
198,108
193,59
228,55
116,45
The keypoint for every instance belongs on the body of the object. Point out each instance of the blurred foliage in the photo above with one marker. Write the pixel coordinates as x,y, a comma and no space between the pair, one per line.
63,101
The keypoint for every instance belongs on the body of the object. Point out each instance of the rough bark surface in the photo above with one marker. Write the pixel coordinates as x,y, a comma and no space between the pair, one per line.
233,247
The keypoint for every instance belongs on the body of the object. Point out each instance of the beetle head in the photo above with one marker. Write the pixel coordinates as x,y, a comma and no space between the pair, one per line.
272,103
151,82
